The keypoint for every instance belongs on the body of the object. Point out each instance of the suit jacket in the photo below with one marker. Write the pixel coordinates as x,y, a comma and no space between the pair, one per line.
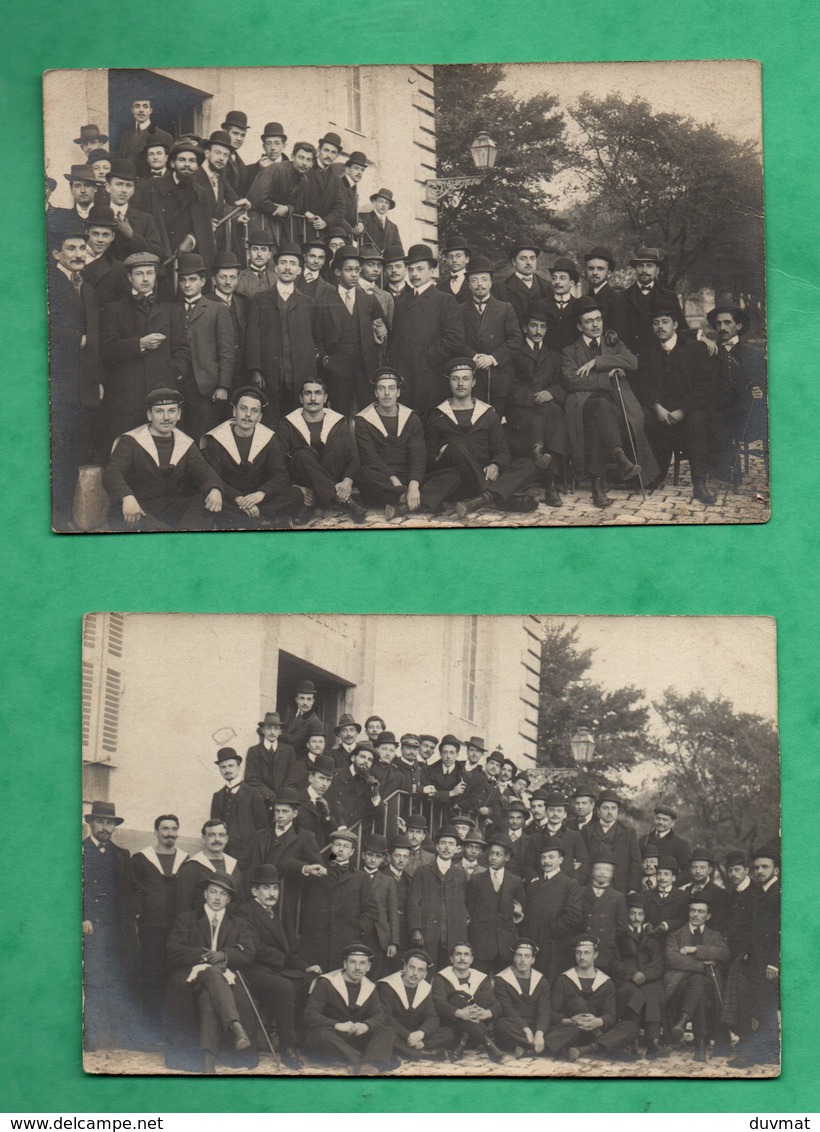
321,193
268,771
252,283
328,316
402,883
350,204
263,471
437,906
553,914
672,910
764,950
427,332
670,845
417,860
239,311
375,235
676,379
401,1016
133,143
337,909
712,949
317,290
738,921
492,933
386,928
531,1008
157,201
605,917
640,953
210,332
274,186
100,905
636,310
496,332
718,901
533,372
480,790
244,814
611,307
385,300
575,853
75,369
107,276
146,237
191,875
462,292
133,469
562,323
269,331
521,855
623,844
296,725
274,947
191,932
290,852
581,388
313,818
512,290
351,794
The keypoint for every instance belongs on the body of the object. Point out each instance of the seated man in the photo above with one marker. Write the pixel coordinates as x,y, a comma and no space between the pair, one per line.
206,948
393,455
524,997
584,1008
407,1001
466,434
692,955
464,1000
534,413
344,1018
277,976
638,974
156,477
602,413
248,460
320,451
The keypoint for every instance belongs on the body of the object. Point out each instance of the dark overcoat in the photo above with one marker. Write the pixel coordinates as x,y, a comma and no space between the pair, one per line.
495,332
269,334
427,333
640,953
553,914
492,933
244,814
437,906
269,771
622,843
337,909
157,202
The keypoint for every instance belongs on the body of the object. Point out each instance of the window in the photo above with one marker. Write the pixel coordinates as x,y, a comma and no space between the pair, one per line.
468,667
354,98
103,644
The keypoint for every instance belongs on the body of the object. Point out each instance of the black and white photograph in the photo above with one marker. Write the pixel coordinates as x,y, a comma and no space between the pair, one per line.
440,846
408,296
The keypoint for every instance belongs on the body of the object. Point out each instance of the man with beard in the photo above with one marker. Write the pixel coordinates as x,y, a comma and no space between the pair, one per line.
338,906
553,910
638,974
465,1001
437,908
407,1000
247,458
211,859
239,806
180,206
357,791
524,997
492,334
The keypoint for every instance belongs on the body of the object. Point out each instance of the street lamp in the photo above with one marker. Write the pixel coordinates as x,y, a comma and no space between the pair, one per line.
582,744
483,151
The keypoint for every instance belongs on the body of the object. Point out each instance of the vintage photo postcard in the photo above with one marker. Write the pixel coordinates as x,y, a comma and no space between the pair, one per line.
406,296
522,846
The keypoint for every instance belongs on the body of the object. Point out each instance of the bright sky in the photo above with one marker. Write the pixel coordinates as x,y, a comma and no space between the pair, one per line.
732,657
723,92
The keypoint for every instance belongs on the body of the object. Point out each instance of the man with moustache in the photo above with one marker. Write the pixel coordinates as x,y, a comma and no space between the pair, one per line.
639,301
236,171
395,270
701,864
553,910
239,806
301,715
338,906
583,804
269,763
319,812
492,334
465,1001
517,814
277,192
666,905
416,829
561,306
259,275
314,745
83,188
637,971
378,229
383,936
407,767
209,329
693,956
456,282
102,271
356,790
136,230
607,833
604,910
443,784
225,280
211,859
180,206
321,197
407,1000
524,286
763,962
347,732
668,843
437,910
599,263
738,399
398,858
554,827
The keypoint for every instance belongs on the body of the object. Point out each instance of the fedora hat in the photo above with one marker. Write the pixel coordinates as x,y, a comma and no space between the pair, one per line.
740,316
358,158
221,879
81,173
476,741
347,720
105,811
388,196
236,118
272,719
330,139
274,130
91,133
646,255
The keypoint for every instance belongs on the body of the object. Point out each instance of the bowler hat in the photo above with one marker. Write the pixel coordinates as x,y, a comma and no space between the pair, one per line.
420,252
449,740
272,718
772,852
522,776
221,879
218,137
260,238
287,796
225,260
551,845
410,740
388,195
236,118
663,808
190,263
386,371
509,762
104,811
736,857
330,139
393,253
162,395
357,158
650,850
668,862
540,795
189,146
700,898
447,831
741,317
584,790
96,155
480,265
603,856
459,363
415,821
336,234
323,764
538,309
248,391
347,720
347,251
91,133
456,244
585,305
556,799
81,173
225,754
646,255
274,130
607,796
366,746
399,841
701,854
501,840
524,243
385,737
101,216
264,874
600,252
376,844
122,170
474,837
518,807
304,687
288,249
315,727
636,900
344,835
664,305
564,264
357,948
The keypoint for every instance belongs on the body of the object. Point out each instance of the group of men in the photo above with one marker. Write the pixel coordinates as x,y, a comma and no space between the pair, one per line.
383,899
317,364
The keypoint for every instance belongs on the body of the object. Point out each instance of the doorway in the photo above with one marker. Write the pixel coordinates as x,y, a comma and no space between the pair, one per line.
331,691
177,107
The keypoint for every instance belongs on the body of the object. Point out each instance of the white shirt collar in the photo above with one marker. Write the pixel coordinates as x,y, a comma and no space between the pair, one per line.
526,280
769,884
731,343
281,833
424,287
443,866
670,345
552,873
284,289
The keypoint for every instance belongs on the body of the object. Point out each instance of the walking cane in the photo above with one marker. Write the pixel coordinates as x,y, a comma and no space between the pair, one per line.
711,967
276,1060
187,245
629,434
740,444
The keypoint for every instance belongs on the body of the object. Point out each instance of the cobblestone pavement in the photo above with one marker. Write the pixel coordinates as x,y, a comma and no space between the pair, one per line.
666,505
678,1064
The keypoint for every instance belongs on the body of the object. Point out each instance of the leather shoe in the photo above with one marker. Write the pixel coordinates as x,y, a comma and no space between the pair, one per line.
391,510
599,496
678,1030
289,1057
458,1052
521,504
626,468
573,1053
471,506
356,510
551,496
493,1052
701,492
541,459
240,1038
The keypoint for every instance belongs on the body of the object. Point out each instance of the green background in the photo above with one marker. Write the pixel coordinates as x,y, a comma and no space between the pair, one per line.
52,580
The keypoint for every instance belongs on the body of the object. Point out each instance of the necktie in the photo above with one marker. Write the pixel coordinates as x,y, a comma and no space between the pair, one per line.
77,280
496,879
480,308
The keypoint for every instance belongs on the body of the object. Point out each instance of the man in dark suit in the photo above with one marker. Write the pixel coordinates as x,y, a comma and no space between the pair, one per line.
554,827
491,333
599,262
437,908
370,280
236,171
102,270
561,308
495,903
465,433
535,425
203,945
583,805
594,370
108,933
426,333
135,231
407,1001
693,956
134,141
355,168
737,390
606,832
701,865
553,910
301,715
383,936
524,997
398,858
763,962
225,279
604,909
458,255
83,187
321,198
273,138
637,970
338,906
211,338
269,763
280,350
277,977
666,905
259,275
221,196
393,455
311,282
293,850
524,286
516,815
378,229
349,331
356,790
277,191
662,835
638,301
240,806
180,206
319,812
75,374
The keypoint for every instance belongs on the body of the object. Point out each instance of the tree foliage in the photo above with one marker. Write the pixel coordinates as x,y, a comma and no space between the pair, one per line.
723,766
532,148
664,180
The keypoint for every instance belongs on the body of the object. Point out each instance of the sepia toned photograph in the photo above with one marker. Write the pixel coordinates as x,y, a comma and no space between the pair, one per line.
516,846
522,294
